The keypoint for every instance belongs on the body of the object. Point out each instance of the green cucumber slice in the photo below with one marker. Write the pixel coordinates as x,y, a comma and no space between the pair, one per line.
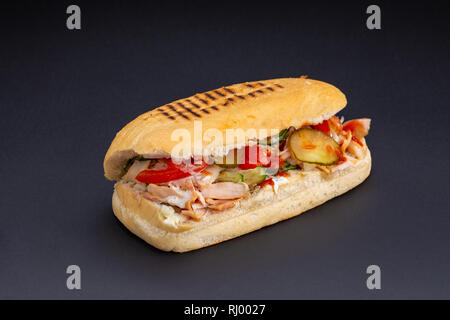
254,176
230,176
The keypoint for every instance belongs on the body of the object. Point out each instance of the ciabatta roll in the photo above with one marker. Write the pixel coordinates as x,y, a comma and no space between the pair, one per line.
181,206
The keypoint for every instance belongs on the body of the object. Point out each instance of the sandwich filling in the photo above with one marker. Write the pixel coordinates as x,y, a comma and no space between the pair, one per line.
218,183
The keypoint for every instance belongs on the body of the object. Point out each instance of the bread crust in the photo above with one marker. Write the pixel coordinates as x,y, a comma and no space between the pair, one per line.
268,104
304,191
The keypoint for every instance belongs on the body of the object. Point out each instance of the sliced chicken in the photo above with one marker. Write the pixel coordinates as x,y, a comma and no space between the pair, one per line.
207,176
161,191
188,184
196,212
225,190
355,149
358,127
346,138
212,201
185,183
335,124
200,197
171,195
160,164
135,168
221,205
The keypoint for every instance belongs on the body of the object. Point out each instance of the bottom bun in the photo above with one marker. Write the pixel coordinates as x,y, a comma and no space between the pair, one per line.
303,191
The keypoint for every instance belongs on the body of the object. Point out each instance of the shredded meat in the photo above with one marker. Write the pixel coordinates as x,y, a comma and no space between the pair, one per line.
225,190
221,205
172,195
196,212
355,149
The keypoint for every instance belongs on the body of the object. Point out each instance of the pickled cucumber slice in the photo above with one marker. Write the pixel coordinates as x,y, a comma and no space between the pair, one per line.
314,146
254,176
230,176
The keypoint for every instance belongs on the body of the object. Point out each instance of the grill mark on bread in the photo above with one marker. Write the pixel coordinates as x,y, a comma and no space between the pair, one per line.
169,116
164,113
229,100
204,98
178,112
210,96
189,110
193,104
228,90
226,103
260,91
197,106
205,102
219,93
255,84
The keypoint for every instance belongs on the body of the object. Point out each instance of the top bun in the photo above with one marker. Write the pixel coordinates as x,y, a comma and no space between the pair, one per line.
269,104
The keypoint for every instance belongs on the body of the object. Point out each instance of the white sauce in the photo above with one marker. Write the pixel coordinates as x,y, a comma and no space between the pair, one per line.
277,181
171,217
342,166
176,201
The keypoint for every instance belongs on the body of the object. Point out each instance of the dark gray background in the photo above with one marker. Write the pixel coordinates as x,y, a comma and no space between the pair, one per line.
64,94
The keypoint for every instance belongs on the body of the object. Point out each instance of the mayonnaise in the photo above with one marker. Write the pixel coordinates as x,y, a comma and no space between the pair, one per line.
277,181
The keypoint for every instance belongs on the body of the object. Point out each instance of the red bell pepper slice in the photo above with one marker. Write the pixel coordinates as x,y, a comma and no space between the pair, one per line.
172,172
266,182
255,153
323,126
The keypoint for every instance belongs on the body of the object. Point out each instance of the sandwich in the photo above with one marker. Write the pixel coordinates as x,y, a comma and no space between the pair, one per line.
223,163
